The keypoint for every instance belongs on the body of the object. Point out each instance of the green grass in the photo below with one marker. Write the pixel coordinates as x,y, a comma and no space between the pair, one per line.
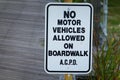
114,3
114,17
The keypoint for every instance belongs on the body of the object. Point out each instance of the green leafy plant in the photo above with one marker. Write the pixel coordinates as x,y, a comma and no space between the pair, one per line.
107,62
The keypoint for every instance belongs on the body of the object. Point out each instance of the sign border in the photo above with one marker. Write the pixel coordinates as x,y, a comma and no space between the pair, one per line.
46,37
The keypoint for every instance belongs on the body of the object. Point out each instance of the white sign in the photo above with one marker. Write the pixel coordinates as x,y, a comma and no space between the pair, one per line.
68,38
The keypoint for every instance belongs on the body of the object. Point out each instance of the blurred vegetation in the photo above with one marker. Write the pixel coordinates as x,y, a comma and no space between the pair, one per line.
107,62
114,17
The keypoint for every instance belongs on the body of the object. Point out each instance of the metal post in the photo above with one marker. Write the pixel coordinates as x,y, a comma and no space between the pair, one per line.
104,24
85,0
105,8
68,77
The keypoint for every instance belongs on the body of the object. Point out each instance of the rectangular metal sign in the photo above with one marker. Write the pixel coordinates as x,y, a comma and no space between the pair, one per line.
68,38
